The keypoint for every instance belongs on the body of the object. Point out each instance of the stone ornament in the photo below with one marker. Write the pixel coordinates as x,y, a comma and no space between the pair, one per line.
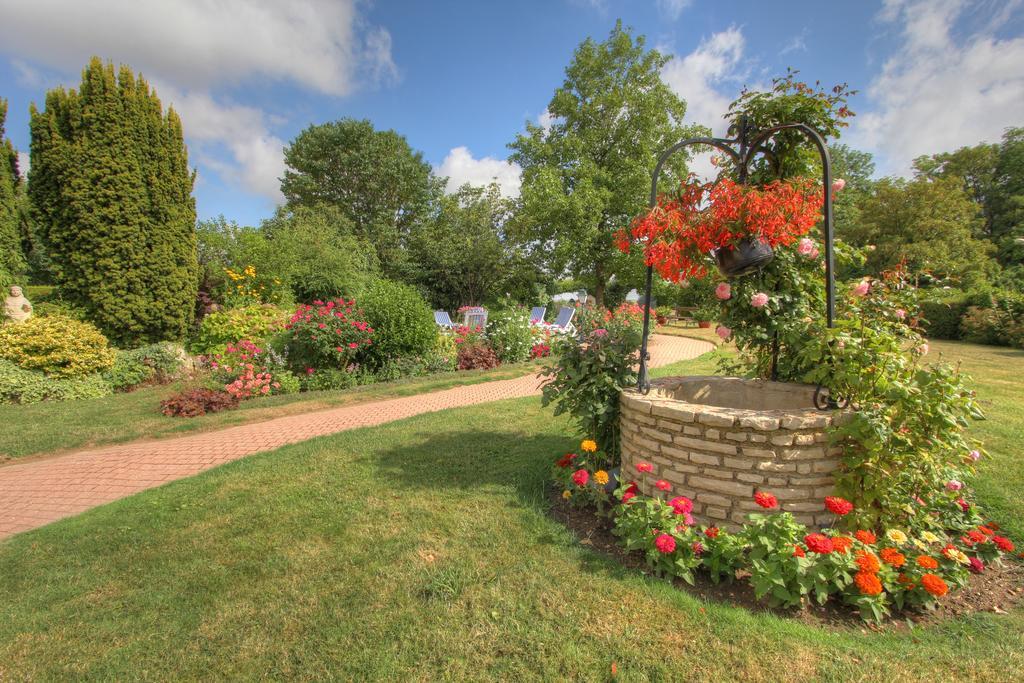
17,308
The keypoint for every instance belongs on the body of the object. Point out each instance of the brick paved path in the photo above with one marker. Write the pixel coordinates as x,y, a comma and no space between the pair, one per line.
39,492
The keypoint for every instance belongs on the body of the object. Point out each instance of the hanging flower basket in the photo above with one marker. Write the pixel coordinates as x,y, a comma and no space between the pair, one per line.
747,256
739,224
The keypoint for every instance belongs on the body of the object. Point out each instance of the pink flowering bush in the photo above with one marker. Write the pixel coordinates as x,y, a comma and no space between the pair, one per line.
246,370
329,334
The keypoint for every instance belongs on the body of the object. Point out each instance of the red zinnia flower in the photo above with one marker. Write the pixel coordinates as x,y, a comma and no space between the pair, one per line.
818,543
662,485
1004,544
838,506
766,500
581,477
665,544
681,505
711,532
566,460
977,566
628,496
644,467
798,551
865,537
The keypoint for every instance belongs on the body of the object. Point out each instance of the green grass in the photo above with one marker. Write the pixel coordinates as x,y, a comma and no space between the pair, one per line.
49,427
421,550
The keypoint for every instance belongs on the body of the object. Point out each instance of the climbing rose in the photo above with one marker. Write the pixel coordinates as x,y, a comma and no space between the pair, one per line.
868,583
818,543
723,331
838,184
645,467
766,500
723,291
681,505
665,544
759,300
838,506
865,537
862,288
922,349
581,477
662,485
934,585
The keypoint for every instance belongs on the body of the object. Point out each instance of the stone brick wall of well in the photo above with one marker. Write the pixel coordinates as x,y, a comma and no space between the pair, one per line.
719,457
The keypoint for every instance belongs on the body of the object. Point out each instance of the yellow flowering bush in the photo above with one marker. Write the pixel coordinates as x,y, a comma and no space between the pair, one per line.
56,345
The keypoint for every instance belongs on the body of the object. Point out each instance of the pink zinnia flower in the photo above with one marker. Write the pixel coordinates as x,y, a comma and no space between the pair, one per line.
838,184
581,477
723,331
681,505
862,288
723,291
977,566
954,485
759,300
665,544
353,345
645,467
698,547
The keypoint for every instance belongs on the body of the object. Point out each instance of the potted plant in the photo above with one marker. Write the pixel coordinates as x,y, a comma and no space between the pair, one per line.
706,313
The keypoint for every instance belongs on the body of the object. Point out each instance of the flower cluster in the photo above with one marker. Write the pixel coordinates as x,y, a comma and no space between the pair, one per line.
251,382
681,231
327,334
582,477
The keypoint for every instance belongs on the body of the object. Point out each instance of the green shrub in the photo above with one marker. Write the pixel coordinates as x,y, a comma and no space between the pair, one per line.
403,324
982,325
57,307
27,386
57,346
290,384
332,379
943,318
256,323
156,362
509,335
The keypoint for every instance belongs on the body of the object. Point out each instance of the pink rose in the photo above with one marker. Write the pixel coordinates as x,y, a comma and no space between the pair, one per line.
954,485
723,331
862,288
805,247
838,184
723,291
264,389
900,313
759,300
814,254
922,349
974,455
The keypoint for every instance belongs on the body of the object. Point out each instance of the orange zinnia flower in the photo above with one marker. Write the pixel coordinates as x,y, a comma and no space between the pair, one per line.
842,544
934,585
927,562
865,537
868,583
867,562
893,557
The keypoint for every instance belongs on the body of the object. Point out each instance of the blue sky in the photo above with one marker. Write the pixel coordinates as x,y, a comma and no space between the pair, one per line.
459,79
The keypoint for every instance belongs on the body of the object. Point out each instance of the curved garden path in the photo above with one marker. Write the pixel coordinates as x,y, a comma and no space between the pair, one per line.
39,492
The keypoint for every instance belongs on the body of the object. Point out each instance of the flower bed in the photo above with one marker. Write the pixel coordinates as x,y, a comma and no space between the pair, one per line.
720,439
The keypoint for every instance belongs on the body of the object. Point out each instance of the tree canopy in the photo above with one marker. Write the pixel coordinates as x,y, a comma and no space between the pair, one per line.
12,261
588,173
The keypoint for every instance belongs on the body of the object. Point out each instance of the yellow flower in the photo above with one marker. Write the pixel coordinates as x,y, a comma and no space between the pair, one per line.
567,494
896,536
957,556
601,477
930,537
588,445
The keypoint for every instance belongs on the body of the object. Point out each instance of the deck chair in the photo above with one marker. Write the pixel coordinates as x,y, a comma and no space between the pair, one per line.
563,323
475,316
443,320
537,314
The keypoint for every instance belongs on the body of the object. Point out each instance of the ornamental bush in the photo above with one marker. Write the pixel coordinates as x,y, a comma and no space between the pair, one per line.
57,346
257,323
477,356
21,386
509,334
402,320
152,363
197,402
329,334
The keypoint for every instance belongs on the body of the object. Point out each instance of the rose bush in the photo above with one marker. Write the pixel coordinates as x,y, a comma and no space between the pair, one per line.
327,334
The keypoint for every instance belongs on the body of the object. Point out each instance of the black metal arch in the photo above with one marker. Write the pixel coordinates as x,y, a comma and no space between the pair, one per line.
749,148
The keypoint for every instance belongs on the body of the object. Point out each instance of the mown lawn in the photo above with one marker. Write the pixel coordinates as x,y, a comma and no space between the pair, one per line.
49,427
422,550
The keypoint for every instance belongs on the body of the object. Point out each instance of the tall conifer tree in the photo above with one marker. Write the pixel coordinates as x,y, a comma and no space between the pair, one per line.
111,192
12,261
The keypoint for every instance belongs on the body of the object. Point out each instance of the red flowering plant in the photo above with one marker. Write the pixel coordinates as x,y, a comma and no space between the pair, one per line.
327,334
582,478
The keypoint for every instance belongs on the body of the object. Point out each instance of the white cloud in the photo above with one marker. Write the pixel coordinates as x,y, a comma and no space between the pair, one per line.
190,47
672,9
797,44
696,77
936,92
197,43
257,154
545,119
460,167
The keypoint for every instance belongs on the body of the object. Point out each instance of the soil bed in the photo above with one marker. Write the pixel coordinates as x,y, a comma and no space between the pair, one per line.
997,590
